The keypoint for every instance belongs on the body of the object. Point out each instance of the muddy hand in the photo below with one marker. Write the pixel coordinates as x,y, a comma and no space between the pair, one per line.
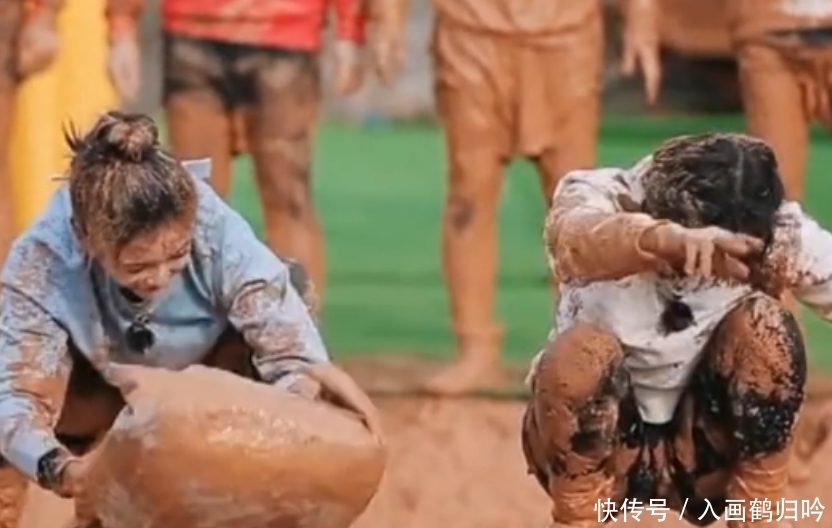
641,45
73,480
349,73
644,57
122,377
388,58
339,387
37,44
703,252
124,66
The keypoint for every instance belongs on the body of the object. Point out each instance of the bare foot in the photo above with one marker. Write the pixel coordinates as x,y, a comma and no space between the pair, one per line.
465,376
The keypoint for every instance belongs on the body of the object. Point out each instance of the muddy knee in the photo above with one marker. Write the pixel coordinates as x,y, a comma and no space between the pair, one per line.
761,363
578,384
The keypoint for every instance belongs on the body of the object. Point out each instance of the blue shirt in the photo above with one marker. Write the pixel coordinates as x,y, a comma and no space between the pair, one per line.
52,294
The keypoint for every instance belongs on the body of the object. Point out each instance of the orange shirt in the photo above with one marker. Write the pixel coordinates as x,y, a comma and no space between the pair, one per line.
293,24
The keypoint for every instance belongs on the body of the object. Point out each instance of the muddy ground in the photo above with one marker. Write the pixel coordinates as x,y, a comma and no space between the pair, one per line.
457,463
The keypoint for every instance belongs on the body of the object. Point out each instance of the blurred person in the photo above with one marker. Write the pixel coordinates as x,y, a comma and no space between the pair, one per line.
674,371
512,79
245,75
136,260
28,44
784,48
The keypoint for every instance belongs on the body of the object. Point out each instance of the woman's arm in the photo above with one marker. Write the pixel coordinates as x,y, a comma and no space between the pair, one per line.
264,307
34,372
802,254
588,236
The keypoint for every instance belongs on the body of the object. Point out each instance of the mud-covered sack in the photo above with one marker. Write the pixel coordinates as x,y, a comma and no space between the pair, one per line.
203,448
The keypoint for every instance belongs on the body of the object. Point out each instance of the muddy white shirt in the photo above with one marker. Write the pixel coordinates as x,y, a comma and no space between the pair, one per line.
51,295
590,241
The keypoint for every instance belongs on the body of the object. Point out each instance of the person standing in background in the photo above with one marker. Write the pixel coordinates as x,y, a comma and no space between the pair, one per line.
512,79
784,48
28,44
245,75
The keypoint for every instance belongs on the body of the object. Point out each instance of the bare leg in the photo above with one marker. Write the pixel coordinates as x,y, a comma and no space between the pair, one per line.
572,436
475,150
198,122
775,113
575,150
748,393
281,137
200,128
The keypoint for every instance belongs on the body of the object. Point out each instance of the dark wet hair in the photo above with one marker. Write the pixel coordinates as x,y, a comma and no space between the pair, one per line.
123,184
718,179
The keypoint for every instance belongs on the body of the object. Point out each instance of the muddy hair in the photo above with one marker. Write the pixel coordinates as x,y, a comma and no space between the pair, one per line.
717,179
123,184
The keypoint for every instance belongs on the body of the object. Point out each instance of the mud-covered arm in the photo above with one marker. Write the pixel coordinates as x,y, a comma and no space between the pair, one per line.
587,235
34,372
264,307
123,18
350,19
805,253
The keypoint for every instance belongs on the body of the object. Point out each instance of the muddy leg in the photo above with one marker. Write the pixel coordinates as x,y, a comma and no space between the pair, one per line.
576,150
281,135
9,22
754,380
476,159
774,111
198,123
571,426
469,250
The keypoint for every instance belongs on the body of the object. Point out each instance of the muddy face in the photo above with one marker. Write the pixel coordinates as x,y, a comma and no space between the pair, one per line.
147,264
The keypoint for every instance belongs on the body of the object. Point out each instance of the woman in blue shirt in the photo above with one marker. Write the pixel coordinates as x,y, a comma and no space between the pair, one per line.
135,260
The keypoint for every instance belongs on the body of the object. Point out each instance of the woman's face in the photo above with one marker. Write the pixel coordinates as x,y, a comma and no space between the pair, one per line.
147,264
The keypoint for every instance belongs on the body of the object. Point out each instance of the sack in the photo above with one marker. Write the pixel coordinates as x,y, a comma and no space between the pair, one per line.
203,448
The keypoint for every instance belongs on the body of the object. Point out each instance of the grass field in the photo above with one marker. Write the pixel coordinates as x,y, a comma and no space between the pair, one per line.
380,191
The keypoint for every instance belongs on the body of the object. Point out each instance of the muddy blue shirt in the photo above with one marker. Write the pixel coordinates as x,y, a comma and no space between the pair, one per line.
52,294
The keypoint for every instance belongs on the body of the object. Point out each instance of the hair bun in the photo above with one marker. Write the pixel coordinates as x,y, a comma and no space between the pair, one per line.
132,137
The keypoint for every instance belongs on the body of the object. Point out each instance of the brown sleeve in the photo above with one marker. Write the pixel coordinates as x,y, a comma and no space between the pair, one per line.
588,237
123,17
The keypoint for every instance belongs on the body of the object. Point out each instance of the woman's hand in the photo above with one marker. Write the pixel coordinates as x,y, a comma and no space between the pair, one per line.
339,388
73,477
704,252
37,44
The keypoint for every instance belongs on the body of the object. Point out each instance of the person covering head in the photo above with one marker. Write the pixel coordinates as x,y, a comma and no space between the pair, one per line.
674,359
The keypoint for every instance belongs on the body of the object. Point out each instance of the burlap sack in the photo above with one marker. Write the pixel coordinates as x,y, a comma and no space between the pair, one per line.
208,449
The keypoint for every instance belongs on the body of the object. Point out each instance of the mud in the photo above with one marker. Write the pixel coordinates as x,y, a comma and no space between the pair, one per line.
457,463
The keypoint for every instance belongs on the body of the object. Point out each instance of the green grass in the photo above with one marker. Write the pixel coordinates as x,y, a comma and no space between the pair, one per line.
380,191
